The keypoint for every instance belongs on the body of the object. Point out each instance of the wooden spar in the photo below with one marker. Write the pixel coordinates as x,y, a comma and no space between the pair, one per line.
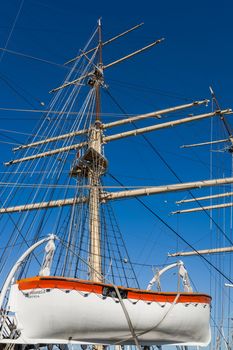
220,195
43,205
73,82
51,139
209,207
204,251
205,143
156,114
165,189
163,125
46,154
117,123
106,196
105,43
121,135
133,53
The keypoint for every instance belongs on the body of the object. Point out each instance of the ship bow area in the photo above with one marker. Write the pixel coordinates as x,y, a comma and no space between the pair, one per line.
60,310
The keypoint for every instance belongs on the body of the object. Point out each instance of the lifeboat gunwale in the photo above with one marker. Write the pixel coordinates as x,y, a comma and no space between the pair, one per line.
66,283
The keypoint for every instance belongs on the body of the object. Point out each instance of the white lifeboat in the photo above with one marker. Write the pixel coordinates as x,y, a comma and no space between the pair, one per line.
65,310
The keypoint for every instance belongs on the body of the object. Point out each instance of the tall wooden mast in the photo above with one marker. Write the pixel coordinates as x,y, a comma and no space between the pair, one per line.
94,173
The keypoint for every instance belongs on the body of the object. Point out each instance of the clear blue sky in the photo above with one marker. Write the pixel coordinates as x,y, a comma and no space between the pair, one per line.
197,52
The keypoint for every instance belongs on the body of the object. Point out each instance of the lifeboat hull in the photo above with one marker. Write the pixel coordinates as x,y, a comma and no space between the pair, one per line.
59,310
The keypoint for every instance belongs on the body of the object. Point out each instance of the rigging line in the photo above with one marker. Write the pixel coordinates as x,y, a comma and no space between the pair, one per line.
41,180
34,58
6,81
110,209
53,102
10,138
25,91
220,331
118,253
77,123
58,95
16,132
20,233
19,243
11,143
30,172
103,114
69,101
47,185
175,232
12,29
173,172
39,228
150,265
25,217
153,90
109,254
42,223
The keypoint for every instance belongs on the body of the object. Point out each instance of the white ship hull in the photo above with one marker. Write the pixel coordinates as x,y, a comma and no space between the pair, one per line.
56,310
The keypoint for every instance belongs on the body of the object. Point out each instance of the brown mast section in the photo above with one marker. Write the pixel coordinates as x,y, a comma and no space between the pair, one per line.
99,72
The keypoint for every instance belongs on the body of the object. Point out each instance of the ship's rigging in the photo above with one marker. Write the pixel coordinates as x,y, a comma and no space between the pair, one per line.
86,224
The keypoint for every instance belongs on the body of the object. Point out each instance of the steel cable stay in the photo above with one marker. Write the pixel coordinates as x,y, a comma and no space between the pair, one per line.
173,172
41,180
176,233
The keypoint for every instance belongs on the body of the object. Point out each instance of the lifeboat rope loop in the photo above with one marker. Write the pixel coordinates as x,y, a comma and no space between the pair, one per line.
151,329
128,319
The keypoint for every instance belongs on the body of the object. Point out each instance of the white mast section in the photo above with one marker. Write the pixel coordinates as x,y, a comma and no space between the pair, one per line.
165,189
119,136
43,205
51,139
133,53
205,143
164,125
106,196
209,207
204,251
156,114
46,154
220,195
94,215
122,135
